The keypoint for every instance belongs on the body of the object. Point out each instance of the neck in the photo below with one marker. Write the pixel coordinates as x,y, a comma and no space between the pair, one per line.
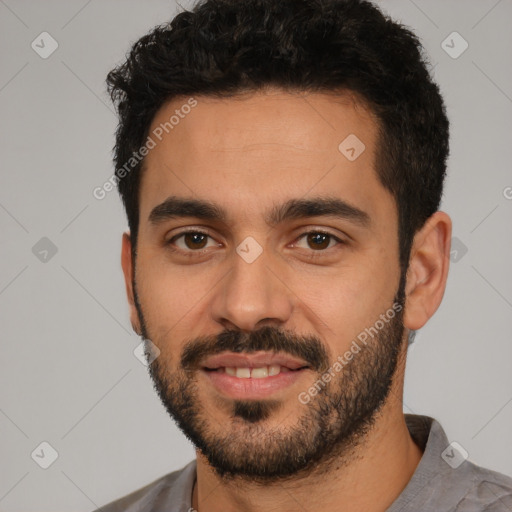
370,478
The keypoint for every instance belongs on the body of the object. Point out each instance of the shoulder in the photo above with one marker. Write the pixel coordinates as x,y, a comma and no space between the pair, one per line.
489,490
171,488
446,480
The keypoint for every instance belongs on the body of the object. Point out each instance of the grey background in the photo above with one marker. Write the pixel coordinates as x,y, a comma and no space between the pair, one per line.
68,375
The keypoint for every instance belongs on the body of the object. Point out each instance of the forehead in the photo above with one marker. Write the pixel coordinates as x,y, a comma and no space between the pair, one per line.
254,150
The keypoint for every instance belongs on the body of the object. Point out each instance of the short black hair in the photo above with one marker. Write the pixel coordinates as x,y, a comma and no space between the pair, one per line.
222,48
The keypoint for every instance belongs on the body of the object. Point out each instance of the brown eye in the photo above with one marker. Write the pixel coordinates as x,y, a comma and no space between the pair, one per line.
319,240
195,240
190,241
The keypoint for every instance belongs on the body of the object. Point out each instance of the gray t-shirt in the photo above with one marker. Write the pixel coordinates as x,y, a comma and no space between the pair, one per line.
444,481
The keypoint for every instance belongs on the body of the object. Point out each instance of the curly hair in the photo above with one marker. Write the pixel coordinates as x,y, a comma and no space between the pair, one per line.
223,48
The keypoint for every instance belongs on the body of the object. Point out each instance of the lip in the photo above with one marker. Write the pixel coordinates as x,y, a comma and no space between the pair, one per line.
250,388
254,360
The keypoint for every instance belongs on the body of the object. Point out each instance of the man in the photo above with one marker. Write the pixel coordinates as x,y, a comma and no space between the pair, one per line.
281,163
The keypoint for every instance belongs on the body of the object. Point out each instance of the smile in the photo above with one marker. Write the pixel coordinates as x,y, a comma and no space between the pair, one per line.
262,372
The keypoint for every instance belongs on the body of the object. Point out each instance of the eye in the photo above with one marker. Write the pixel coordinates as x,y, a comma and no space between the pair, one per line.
319,240
193,241
197,241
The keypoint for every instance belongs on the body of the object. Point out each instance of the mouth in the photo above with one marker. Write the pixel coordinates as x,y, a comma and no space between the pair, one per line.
252,376
261,372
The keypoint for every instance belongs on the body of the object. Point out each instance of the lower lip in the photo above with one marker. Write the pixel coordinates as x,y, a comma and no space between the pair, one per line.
236,387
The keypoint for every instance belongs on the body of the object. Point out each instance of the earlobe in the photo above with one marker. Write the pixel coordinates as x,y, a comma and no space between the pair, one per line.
428,270
127,266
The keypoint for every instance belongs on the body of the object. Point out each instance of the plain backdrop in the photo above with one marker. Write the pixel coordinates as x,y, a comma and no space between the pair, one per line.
68,374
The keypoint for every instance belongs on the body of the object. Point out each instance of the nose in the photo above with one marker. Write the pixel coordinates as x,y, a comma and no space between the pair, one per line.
252,295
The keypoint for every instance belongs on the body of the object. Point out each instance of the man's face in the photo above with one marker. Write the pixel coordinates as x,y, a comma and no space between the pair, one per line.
285,290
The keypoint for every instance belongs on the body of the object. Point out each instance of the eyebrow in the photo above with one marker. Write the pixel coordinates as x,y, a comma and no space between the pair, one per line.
178,207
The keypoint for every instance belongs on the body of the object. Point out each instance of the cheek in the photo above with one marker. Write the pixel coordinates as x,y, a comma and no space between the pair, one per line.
340,304
167,294
336,303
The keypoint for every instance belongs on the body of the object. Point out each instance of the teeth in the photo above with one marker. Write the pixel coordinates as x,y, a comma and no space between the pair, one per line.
273,370
259,373
255,373
243,373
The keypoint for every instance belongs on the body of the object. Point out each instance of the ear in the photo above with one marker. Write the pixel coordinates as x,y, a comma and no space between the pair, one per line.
127,265
428,270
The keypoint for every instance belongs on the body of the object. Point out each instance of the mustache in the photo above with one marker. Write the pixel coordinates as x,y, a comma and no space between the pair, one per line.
271,339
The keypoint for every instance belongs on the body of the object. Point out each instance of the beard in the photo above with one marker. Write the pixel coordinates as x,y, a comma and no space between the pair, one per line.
327,429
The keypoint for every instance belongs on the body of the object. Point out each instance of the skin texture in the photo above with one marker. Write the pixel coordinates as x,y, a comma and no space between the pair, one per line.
248,154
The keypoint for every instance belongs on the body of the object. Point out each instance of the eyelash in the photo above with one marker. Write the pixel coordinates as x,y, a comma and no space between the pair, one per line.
191,252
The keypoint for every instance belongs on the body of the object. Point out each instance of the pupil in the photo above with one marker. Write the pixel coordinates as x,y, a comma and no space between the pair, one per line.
197,238
316,237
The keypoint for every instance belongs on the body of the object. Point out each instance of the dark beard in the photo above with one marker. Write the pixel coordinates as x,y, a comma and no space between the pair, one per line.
333,423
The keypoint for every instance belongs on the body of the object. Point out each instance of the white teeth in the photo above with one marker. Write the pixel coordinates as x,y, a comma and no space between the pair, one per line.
259,373
243,373
255,373
274,370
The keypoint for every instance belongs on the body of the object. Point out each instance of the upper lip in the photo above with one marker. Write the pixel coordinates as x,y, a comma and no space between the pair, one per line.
255,360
